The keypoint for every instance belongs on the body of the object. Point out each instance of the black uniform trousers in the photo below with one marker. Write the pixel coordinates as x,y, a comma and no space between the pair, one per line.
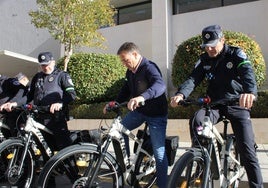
61,135
242,128
12,120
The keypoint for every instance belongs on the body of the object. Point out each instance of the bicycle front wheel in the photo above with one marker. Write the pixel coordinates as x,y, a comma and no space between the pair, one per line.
188,171
74,165
14,170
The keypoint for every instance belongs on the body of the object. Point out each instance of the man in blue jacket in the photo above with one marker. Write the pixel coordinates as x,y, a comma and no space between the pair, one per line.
230,76
144,83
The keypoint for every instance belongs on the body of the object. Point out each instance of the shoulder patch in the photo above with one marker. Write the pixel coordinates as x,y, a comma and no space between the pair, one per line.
16,82
70,81
242,54
197,63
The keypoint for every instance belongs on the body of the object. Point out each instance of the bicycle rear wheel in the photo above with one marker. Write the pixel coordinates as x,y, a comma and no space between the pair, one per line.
145,171
187,171
70,168
11,152
232,163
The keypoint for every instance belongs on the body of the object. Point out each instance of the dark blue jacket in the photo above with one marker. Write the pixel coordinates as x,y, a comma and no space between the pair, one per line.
229,75
12,91
56,87
147,82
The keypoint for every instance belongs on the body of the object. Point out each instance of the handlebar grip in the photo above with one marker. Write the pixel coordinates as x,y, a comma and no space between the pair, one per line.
113,105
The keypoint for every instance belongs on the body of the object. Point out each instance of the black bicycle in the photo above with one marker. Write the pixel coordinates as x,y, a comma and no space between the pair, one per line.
212,157
88,165
23,157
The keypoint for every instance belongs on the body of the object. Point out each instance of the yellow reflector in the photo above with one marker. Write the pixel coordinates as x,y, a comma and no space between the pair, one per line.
10,156
81,163
37,152
197,181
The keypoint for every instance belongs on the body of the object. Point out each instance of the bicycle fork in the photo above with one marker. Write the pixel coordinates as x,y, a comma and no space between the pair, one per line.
93,170
16,155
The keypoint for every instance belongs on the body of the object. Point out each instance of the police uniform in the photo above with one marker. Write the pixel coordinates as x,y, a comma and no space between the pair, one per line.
47,89
12,91
229,75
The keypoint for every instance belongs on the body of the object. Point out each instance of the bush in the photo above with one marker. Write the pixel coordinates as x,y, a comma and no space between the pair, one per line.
94,111
188,53
97,77
91,111
259,109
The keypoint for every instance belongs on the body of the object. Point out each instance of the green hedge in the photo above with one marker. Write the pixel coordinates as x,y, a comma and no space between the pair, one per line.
97,77
94,111
188,53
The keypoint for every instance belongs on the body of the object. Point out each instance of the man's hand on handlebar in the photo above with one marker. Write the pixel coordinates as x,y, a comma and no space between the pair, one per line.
135,102
246,100
174,101
132,104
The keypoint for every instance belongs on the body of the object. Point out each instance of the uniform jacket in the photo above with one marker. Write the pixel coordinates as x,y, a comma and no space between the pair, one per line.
147,82
12,91
47,89
229,75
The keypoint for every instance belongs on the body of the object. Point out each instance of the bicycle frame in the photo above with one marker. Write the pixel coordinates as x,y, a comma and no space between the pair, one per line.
215,159
114,136
32,128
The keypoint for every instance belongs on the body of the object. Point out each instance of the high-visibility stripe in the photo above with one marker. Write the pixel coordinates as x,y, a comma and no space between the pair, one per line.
242,63
69,89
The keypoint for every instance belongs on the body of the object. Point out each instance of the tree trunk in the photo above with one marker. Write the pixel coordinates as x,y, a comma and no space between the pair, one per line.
68,53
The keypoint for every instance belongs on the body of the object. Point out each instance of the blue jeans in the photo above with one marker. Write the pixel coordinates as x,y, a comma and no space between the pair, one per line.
157,129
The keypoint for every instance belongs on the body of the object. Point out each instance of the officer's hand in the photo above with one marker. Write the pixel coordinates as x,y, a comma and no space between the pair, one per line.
55,107
104,109
134,102
175,100
8,106
246,100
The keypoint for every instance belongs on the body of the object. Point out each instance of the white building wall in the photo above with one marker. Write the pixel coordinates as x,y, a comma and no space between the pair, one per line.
249,18
17,34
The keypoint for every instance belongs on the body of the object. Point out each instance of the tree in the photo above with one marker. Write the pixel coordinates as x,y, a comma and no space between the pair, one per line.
74,22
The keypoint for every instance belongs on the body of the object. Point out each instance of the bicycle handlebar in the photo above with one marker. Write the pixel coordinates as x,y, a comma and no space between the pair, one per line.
35,108
114,106
207,101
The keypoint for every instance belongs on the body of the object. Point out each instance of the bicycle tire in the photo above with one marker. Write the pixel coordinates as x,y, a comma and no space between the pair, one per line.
145,171
64,167
10,161
188,171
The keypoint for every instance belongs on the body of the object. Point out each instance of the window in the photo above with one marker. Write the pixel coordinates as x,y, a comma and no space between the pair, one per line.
132,13
182,6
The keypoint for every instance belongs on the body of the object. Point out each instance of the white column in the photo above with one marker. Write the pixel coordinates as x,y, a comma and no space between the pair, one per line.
161,37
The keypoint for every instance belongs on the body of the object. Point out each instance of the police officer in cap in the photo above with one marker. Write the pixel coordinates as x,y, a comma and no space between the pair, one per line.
12,90
53,87
230,76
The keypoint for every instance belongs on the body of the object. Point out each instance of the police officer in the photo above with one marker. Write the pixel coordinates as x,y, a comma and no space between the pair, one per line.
53,87
12,90
230,75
